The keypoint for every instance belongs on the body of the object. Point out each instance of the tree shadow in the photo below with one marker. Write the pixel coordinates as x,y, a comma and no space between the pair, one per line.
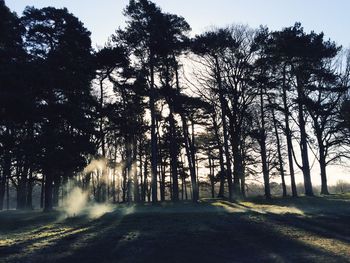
200,237
172,233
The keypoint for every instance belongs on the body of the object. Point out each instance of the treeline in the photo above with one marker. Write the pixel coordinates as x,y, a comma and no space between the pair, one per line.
154,114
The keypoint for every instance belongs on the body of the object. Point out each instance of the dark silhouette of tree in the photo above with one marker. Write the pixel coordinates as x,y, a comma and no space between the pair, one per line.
112,64
323,101
61,46
186,106
141,34
213,45
302,56
174,40
13,129
135,107
266,84
230,53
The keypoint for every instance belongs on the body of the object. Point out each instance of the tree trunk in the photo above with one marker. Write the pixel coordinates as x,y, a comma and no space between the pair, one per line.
154,151
262,142
161,164
223,104
6,169
145,184
221,160
8,195
193,153
29,203
42,192
264,168
243,191
280,160
162,182
289,138
141,176
189,150
2,191
237,164
182,187
323,166
56,191
22,189
114,199
102,134
190,160
173,156
211,174
129,168
141,173
304,146
124,178
134,170
6,174
48,202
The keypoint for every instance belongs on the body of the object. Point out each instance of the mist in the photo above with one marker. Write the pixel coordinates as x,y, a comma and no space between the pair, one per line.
77,204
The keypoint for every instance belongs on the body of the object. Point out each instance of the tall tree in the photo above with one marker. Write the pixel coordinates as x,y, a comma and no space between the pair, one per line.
323,104
143,37
12,92
58,42
173,30
212,46
302,55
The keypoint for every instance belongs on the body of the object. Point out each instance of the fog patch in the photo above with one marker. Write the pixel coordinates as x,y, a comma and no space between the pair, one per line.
98,210
76,204
96,164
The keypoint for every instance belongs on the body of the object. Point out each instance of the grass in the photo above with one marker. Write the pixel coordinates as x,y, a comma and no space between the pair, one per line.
282,230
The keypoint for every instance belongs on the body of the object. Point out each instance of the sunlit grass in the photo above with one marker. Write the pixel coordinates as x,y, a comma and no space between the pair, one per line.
316,237
38,239
245,206
274,209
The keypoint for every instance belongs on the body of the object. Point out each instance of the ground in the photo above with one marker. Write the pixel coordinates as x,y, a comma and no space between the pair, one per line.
283,230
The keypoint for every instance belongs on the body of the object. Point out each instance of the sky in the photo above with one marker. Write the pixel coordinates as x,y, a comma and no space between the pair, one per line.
102,17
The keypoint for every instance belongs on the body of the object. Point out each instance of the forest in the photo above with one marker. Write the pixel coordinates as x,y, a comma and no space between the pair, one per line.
164,145
156,114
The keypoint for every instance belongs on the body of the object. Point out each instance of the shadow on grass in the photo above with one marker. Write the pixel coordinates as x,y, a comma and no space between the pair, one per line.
198,238
14,220
182,232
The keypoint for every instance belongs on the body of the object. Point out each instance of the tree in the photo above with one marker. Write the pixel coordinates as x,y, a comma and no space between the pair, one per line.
187,107
211,46
110,60
323,102
301,54
174,40
142,36
59,44
12,92
225,66
266,85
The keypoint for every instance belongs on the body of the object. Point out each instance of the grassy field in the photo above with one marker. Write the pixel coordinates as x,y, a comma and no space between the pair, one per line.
283,230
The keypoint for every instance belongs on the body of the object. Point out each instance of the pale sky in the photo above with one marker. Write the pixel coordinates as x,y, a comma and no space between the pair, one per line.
102,17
